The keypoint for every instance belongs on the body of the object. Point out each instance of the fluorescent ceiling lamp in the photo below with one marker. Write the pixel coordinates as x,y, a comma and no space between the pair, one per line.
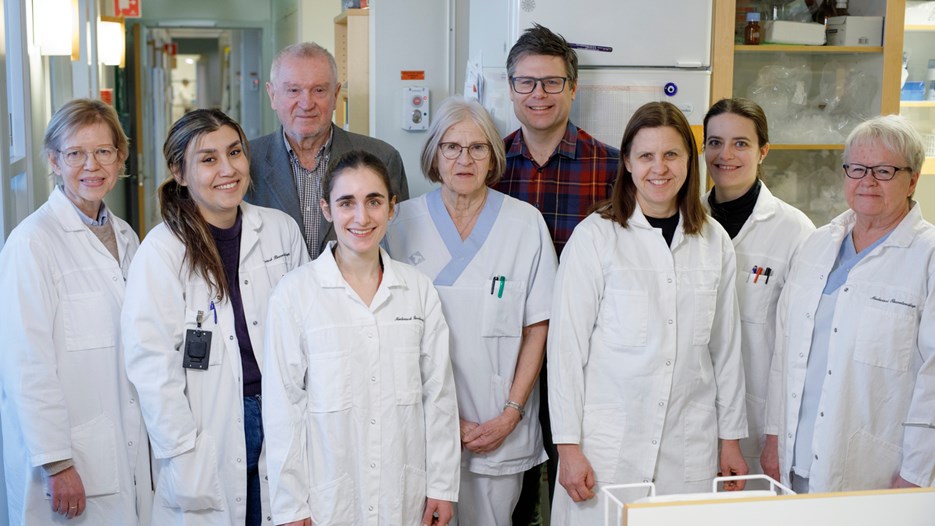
55,30
111,43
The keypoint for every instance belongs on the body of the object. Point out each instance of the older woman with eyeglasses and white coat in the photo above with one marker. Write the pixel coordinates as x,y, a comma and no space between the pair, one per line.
491,259
851,401
74,444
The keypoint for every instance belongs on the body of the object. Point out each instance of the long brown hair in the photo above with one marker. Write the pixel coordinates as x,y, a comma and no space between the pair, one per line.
179,210
622,203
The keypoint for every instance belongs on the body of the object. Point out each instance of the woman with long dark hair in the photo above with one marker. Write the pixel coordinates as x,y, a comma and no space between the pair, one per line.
193,323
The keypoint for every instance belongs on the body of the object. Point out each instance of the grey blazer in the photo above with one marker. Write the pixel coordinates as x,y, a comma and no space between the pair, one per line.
274,186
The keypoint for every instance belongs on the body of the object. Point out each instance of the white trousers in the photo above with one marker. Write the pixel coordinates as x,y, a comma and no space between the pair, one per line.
487,500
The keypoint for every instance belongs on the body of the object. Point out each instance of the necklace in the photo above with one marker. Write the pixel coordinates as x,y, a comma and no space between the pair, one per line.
465,229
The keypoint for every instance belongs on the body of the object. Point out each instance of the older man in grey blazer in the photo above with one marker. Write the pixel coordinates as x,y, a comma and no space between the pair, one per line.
287,165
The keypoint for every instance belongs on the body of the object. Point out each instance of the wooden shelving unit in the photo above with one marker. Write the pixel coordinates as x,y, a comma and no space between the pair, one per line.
352,51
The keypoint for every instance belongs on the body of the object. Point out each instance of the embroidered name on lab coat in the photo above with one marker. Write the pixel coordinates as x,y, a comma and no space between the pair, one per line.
893,300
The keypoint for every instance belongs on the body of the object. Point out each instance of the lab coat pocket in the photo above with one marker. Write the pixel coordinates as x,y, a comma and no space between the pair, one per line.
602,438
94,451
886,335
871,462
705,306
88,320
407,377
754,299
503,314
699,440
625,314
412,497
329,382
191,481
334,503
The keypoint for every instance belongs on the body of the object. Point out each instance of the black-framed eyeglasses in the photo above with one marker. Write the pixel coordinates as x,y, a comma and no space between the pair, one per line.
77,157
452,150
881,172
525,85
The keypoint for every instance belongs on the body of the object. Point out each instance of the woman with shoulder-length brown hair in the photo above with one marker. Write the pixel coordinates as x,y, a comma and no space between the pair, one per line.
193,321
644,334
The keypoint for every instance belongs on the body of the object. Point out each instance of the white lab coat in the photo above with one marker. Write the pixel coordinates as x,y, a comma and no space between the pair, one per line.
510,239
65,393
644,351
194,417
359,406
768,239
881,360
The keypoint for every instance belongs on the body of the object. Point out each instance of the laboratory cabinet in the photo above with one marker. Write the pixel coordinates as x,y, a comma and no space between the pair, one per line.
813,97
919,57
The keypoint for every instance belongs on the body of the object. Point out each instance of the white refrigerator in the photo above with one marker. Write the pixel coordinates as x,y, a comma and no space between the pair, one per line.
629,52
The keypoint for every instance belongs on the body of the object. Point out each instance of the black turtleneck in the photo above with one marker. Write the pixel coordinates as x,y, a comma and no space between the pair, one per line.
667,224
733,214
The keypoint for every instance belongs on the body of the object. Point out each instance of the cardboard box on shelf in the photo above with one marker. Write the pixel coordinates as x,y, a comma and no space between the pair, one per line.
801,33
855,31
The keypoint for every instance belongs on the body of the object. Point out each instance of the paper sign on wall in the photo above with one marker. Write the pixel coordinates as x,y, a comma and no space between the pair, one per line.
127,8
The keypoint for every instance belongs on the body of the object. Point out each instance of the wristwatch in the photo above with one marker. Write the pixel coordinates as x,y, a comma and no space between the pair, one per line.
514,405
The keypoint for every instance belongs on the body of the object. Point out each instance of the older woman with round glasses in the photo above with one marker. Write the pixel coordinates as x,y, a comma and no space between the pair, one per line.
492,262
853,375
73,436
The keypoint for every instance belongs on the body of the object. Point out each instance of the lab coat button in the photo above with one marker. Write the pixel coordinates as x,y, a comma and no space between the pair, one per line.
231,337
835,329
246,282
829,372
794,395
661,404
373,378
239,499
373,464
669,280
668,362
846,289
370,508
808,315
373,421
115,278
239,460
801,355
132,400
130,443
671,322
255,323
645,480
822,413
789,435
654,442
816,457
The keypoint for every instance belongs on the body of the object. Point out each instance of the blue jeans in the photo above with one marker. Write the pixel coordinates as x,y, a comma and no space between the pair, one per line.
253,433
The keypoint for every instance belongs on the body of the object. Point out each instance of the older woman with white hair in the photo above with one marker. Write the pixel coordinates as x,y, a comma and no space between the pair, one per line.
852,384
492,262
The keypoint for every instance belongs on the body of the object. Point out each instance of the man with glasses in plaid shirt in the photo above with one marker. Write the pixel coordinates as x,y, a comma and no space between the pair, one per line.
555,166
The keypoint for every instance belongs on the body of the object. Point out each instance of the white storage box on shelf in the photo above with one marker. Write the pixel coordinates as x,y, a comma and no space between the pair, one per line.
855,31
786,32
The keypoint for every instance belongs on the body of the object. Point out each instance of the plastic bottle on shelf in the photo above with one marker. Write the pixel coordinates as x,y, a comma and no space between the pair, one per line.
751,33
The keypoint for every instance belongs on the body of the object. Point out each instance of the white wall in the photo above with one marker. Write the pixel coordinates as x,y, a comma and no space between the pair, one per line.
407,35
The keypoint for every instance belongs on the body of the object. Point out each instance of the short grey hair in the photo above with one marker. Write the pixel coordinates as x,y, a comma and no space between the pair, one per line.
79,113
302,50
893,132
452,111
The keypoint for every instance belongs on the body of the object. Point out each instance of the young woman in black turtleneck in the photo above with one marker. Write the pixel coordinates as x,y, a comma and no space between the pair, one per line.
765,232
